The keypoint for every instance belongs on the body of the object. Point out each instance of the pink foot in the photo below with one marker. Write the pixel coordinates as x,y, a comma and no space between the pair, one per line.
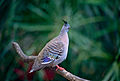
60,68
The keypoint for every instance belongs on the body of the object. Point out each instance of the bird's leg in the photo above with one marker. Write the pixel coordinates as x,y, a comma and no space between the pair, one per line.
60,68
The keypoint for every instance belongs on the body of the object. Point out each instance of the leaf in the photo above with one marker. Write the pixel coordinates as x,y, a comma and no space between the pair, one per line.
38,11
95,2
34,27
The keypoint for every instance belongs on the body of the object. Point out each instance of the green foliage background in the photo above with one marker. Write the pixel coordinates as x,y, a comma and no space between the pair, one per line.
94,51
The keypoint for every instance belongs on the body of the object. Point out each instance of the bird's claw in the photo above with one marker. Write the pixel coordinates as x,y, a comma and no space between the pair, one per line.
60,68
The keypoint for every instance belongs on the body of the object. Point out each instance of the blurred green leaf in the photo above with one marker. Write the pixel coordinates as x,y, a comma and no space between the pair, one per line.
34,27
93,1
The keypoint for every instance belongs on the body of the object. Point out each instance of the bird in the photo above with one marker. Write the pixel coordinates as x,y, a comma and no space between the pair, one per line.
54,52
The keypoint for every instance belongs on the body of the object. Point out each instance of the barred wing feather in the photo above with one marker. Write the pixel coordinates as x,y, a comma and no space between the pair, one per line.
52,52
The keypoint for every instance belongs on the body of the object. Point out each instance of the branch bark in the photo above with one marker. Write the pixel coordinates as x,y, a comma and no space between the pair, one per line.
28,59
21,54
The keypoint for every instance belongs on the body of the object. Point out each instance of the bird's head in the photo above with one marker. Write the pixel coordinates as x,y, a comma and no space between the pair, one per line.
65,27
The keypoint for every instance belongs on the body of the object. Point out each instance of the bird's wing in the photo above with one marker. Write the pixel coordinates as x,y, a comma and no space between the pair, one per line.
52,52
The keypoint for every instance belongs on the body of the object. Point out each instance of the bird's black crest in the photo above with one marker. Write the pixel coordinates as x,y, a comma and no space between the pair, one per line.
65,21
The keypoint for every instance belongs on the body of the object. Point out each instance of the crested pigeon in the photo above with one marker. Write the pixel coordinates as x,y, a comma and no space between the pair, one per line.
54,52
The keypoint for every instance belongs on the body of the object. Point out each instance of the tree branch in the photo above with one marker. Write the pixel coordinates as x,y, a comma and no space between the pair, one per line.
70,76
21,54
63,73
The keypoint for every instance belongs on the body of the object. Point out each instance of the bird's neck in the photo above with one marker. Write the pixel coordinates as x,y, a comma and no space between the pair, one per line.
63,32
63,36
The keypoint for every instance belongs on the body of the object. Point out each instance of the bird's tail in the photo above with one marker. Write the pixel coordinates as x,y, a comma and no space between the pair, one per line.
36,69
37,66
